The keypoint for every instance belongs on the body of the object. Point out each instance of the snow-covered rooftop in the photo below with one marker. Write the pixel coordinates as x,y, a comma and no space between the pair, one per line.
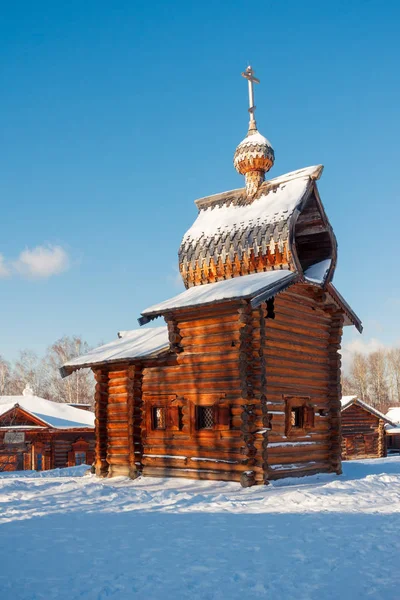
347,401
393,414
239,287
54,414
275,204
138,343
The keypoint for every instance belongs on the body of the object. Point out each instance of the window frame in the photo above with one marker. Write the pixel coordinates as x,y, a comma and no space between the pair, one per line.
84,453
198,410
307,415
175,419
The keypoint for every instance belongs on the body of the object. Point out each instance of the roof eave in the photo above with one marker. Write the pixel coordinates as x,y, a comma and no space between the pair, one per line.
256,298
348,311
67,370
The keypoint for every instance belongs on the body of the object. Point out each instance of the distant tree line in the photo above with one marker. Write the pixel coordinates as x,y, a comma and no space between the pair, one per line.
43,376
375,378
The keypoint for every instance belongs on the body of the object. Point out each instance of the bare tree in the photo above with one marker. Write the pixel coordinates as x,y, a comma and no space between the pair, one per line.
359,375
393,363
377,379
28,369
78,387
5,374
348,386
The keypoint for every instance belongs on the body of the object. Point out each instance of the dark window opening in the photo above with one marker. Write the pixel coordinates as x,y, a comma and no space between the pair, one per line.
205,417
159,417
80,458
297,417
180,418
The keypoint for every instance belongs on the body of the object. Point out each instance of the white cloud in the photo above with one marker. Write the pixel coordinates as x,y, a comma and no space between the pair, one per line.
363,346
4,272
41,262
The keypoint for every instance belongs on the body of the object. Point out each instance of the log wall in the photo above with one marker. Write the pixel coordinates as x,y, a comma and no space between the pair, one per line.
248,367
363,434
303,367
206,373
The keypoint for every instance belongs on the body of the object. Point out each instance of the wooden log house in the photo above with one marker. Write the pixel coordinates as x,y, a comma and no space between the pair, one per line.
392,429
37,434
363,430
243,381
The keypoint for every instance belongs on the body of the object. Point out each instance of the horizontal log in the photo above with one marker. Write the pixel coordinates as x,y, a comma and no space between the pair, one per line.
277,452
200,445
198,380
210,328
293,355
118,459
229,366
191,474
194,389
216,349
322,467
117,374
149,461
228,453
194,358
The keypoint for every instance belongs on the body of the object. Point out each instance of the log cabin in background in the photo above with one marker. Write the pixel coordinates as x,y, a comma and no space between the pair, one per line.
37,434
364,430
243,382
392,429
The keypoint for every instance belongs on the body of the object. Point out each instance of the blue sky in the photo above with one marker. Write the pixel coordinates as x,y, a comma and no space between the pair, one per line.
117,116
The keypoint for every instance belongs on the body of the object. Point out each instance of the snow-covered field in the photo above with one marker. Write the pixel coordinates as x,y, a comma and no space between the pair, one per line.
323,537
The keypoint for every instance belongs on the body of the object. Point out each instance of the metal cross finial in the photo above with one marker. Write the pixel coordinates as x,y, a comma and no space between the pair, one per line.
249,75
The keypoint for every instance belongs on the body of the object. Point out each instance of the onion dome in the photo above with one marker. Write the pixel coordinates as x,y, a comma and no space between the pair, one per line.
253,157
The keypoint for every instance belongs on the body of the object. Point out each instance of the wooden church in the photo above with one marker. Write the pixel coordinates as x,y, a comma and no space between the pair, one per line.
243,381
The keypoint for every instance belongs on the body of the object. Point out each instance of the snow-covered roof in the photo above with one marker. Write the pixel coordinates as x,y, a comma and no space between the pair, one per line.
265,284
54,414
138,343
394,414
392,430
231,225
347,401
278,201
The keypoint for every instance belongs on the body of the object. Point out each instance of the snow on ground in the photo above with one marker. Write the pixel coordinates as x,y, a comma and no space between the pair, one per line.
323,537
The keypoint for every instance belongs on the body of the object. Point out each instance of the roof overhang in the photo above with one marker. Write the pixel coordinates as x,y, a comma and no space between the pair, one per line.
350,316
261,287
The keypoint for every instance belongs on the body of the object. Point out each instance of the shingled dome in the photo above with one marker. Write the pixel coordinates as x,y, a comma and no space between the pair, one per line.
283,226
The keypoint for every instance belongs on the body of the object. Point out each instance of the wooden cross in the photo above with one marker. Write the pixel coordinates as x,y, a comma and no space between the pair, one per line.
249,75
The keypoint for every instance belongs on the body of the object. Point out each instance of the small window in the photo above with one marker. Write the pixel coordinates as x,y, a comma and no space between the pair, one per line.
80,458
205,417
159,417
297,417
